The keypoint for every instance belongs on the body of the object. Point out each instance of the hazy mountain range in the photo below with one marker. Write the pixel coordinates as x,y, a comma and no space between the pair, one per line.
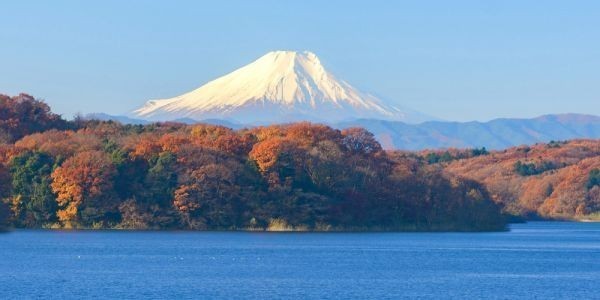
494,134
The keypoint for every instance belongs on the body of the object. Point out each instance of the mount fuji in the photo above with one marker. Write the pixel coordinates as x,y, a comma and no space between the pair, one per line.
281,86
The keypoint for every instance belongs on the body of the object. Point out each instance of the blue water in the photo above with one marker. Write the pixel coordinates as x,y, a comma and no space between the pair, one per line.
536,260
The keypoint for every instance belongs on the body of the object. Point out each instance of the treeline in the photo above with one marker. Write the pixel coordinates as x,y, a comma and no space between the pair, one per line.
303,176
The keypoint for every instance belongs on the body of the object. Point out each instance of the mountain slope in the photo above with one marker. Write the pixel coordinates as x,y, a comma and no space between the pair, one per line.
495,134
281,86
548,180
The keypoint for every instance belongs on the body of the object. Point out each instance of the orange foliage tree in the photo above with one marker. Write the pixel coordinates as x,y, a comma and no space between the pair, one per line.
84,188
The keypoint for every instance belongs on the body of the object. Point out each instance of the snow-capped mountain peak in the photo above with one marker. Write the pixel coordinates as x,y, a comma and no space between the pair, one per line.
281,86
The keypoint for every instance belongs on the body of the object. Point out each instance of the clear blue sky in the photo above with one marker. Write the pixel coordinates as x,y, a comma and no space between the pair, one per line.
457,60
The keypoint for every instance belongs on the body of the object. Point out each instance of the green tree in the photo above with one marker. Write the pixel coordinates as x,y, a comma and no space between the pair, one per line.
130,170
593,179
34,203
149,202
528,169
479,151
5,190
446,157
161,179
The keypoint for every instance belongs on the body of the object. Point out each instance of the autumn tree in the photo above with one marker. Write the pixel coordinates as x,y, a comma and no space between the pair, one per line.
307,134
84,188
209,198
359,140
21,115
268,153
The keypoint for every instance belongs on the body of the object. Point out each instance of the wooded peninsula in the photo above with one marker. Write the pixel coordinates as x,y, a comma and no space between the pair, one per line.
92,174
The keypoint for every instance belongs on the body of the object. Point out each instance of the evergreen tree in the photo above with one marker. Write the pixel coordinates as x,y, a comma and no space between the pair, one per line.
34,202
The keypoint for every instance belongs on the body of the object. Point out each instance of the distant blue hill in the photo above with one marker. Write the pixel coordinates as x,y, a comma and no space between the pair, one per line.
120,119
495,134
128,120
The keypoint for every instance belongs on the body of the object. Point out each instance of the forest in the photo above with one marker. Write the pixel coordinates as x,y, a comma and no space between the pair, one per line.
555,180
88,174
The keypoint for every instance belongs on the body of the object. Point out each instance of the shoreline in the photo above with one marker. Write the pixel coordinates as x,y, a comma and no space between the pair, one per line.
505,229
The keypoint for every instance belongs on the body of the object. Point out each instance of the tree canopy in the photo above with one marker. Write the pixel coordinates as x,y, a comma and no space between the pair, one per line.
300,176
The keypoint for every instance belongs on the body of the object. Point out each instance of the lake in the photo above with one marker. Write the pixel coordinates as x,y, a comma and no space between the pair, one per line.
534,260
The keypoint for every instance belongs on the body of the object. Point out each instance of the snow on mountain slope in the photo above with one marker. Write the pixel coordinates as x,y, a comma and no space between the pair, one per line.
281,86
